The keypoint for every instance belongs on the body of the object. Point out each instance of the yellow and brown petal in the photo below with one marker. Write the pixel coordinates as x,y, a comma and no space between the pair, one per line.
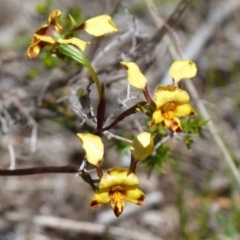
34,49
117,202
52,22
53,16
173,124
135,196
170,94
78,43
43,36
101,197
118,177
47,38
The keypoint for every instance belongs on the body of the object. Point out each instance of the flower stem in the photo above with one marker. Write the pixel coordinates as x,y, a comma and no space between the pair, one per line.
75,54
148,97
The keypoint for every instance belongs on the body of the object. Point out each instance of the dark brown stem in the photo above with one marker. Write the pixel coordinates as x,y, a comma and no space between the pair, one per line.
133,165
99,169
148,97
101,108
126,113
39,170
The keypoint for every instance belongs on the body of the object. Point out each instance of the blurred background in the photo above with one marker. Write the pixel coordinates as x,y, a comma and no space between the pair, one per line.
190,194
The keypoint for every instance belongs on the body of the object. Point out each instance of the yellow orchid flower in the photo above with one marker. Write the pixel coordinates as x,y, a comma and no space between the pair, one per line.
43,37
171,103
182,69
117,186
142,146
93,147
45,30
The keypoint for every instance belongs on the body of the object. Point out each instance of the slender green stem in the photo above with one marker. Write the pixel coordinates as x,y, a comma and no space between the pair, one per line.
75,54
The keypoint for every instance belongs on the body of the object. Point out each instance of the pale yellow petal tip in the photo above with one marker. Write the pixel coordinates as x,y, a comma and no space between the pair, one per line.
134,75
173,125
142,146
100,25
33,51
78,43
183,69
93,147
54,14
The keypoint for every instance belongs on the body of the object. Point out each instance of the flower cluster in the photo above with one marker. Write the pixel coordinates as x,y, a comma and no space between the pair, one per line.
50,33
117,185
169,103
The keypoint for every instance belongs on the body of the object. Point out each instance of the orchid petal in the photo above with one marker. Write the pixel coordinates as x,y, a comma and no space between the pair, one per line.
53,15
173,124
93,147
100,198
75,42
142,146
45,38
184,110
99,25
33,50
118,177
134,75
170,93
135,196
183,69
117,203
52,19
157,117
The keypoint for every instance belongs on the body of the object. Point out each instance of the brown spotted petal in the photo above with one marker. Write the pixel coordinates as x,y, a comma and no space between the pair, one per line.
52,20
101,197
51,25
43,36
93,146
173,124
135,196
117,202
